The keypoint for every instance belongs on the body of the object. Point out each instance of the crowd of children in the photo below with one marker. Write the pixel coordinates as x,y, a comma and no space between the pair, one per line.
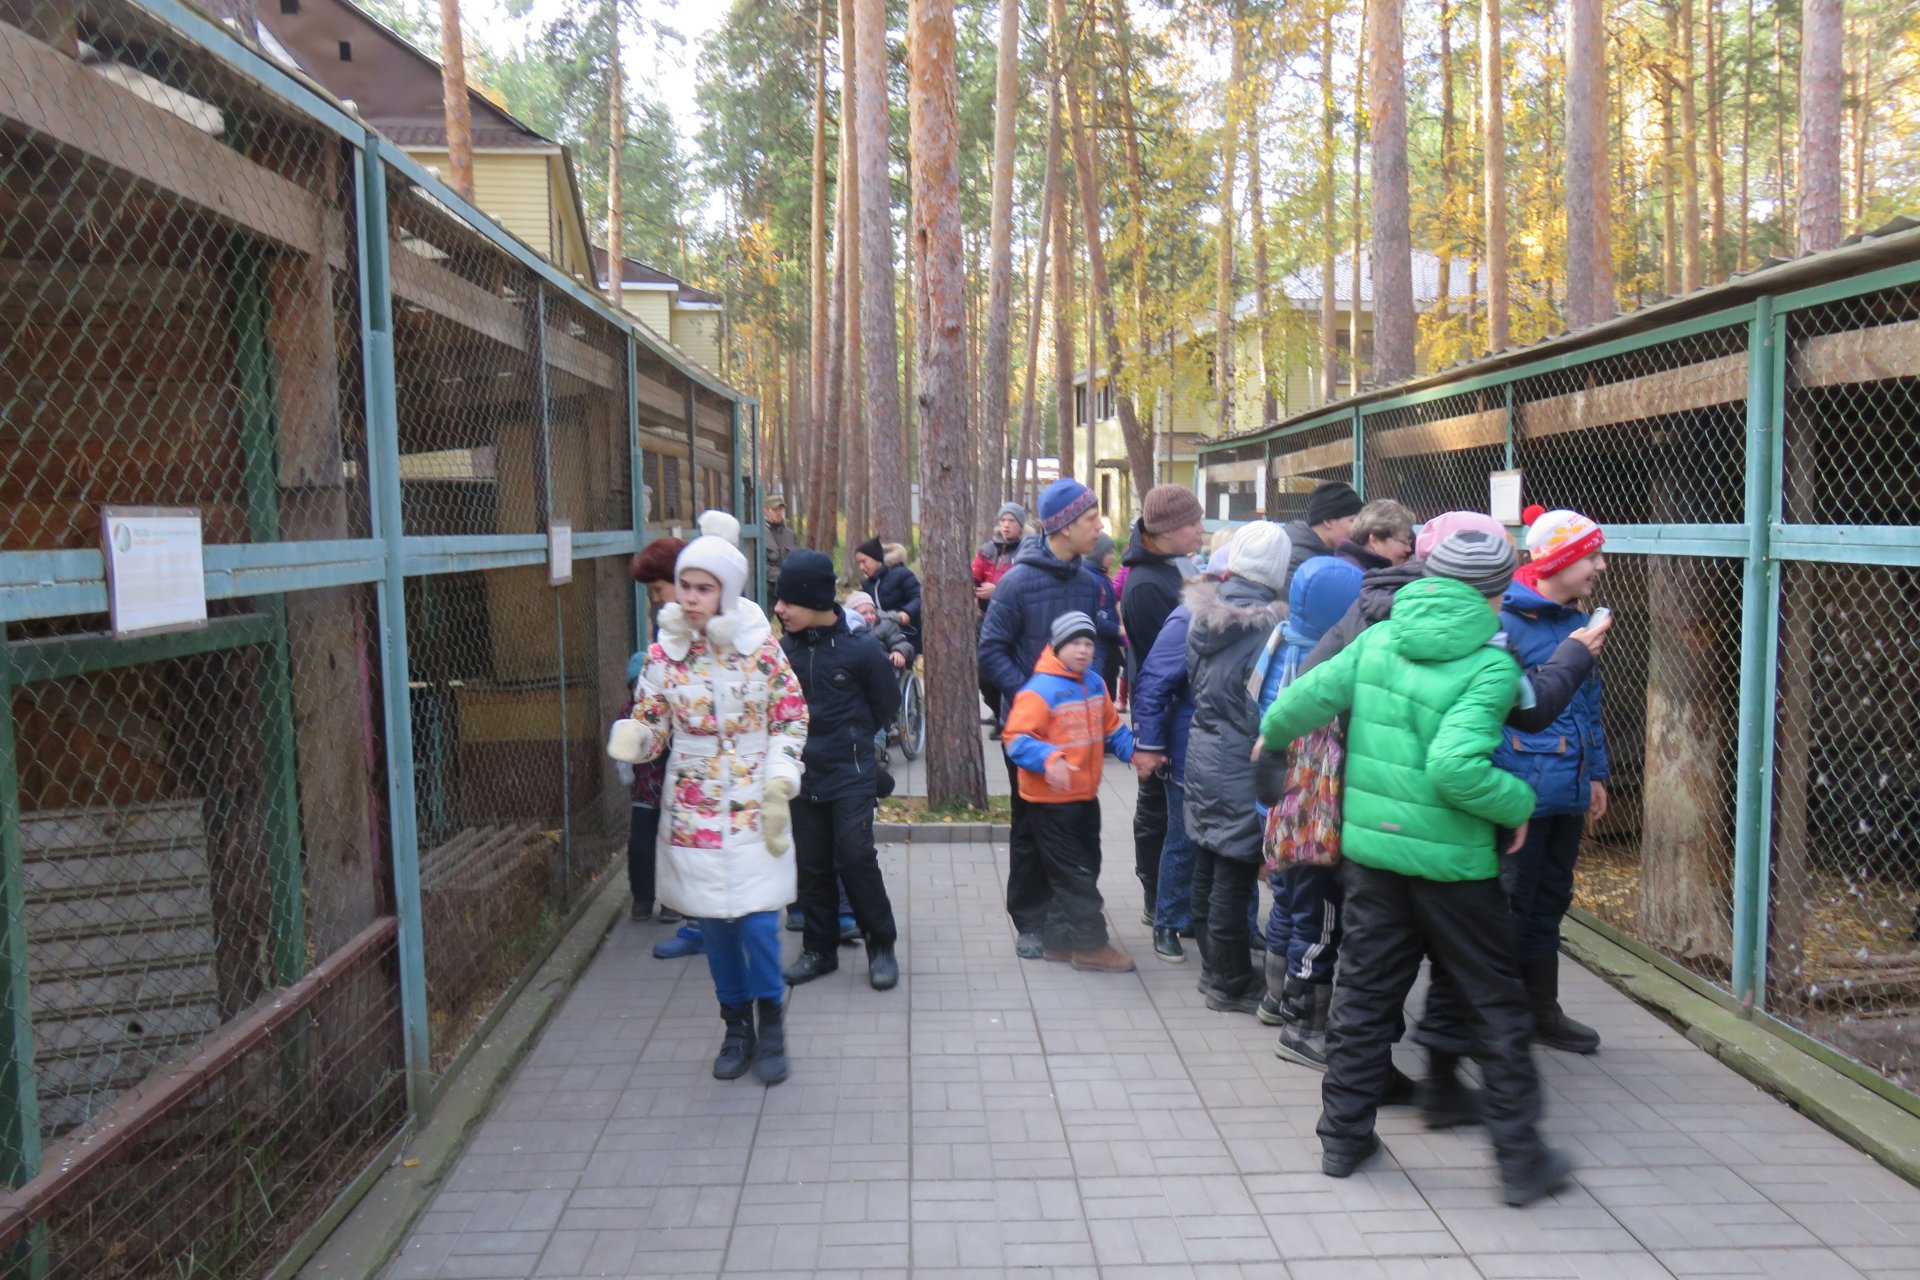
1430,701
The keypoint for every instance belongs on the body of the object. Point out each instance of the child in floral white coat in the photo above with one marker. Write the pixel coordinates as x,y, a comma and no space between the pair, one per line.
717,687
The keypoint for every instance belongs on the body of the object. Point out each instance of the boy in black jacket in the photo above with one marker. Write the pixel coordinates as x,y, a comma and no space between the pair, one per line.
851,691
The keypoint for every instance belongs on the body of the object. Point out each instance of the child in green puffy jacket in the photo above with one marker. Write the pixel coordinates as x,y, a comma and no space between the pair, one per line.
1426,693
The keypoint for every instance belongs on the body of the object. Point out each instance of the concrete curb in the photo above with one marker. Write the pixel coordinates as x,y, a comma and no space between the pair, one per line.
1848,1108
365,1242
940,832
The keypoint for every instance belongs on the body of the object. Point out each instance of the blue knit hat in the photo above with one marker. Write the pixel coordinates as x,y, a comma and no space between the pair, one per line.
1323,589
1063,502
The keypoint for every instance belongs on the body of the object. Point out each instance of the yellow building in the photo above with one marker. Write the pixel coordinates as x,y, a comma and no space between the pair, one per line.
1185,406
686,316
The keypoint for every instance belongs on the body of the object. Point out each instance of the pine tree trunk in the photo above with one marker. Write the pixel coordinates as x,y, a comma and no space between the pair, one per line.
1716,166
855,476
1822,82
1669,240
1137,219
1586,164
886,455
832,501
955,772
1743,260
1690,273
820,421
1393,316
616,145
456,105
1863,133
1036,305
1782,175
1493,118
1257,220
1329,217
1063,357
1138,445
1356,257
1223,297
1444,248
998,373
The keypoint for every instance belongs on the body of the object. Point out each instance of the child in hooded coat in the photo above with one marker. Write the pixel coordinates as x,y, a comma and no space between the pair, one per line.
717,688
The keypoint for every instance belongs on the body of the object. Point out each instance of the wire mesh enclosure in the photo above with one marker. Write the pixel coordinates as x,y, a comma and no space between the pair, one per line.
222,295
1752,463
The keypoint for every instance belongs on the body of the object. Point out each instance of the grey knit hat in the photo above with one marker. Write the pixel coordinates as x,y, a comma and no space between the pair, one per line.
1477,558
1071,626
1013,509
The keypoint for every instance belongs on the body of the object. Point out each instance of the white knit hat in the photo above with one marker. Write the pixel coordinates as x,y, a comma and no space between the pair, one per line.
1259,553
717,551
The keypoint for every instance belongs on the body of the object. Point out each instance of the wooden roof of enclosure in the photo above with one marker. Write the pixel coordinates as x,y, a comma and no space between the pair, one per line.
1875,351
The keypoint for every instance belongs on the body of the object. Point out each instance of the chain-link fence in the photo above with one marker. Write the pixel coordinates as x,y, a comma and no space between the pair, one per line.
221,296
1754,465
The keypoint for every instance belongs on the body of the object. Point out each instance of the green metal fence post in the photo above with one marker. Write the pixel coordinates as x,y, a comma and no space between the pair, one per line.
1760,606
637,462
383,483
1359,451
19,1102
260,429
543,468
1509,425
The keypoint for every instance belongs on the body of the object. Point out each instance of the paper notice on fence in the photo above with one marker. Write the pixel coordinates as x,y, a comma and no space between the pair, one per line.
156,579
1503,496
559,553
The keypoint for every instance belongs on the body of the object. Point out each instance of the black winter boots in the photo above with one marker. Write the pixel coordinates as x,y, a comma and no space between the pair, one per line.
736,1051
883,971
1303,1037
1551,1026
1445,1099
770,1051
1272,1009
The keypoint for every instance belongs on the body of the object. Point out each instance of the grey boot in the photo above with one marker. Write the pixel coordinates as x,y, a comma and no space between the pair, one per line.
1272,1006
770,1053
736,1051
1305,1041
1551,1026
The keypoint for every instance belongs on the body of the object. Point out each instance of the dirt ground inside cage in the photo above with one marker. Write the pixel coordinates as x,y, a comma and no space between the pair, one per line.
1860,987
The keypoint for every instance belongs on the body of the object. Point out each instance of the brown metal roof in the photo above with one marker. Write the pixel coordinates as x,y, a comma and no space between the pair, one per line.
395,86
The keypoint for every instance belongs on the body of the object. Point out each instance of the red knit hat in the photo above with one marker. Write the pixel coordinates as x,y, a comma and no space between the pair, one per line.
1556,539
654,562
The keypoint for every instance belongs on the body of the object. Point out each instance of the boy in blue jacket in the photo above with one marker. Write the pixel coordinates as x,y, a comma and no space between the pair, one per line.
1566,764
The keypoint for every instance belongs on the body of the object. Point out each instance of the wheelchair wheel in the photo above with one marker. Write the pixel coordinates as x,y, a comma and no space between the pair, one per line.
913,717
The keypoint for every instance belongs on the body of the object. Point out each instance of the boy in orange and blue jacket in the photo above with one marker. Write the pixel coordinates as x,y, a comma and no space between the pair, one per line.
1058,729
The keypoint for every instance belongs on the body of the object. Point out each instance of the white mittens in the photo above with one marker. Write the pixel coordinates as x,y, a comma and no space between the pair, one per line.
628,742
775,815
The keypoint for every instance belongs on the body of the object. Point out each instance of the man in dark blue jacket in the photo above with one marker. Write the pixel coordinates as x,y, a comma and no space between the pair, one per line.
892,585
851,691
1048,579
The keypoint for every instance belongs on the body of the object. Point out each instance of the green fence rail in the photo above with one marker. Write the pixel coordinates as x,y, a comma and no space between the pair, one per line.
263,881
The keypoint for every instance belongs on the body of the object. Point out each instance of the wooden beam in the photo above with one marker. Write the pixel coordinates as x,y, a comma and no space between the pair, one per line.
1319,457
1879,354
53,97
572,355
1655,395
455,298
1446,435
47,289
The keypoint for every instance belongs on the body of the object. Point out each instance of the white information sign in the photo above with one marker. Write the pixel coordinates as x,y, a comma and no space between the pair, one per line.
1226,505
1503,496
156,579
560,553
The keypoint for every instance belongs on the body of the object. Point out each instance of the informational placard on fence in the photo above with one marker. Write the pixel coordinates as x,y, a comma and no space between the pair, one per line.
156,578
560,553
1503,496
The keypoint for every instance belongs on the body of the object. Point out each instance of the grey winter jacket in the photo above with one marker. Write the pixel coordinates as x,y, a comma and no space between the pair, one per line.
1231,623
1306,545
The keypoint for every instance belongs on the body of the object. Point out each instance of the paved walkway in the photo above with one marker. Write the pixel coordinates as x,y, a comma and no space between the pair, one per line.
997,1117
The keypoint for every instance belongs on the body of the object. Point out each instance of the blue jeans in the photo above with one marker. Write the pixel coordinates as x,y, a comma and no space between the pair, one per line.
1305,923
1173,899
744,957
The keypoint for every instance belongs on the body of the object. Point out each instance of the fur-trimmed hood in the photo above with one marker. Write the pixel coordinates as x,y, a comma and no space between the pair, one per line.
1223,611
896,553
744,626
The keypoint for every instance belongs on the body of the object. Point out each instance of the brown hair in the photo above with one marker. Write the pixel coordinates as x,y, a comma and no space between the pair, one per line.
654,562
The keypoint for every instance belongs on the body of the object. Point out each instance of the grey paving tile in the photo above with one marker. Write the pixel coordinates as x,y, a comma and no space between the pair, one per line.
995,1117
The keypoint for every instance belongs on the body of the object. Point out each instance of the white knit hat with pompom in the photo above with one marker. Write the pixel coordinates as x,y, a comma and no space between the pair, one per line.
717,551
